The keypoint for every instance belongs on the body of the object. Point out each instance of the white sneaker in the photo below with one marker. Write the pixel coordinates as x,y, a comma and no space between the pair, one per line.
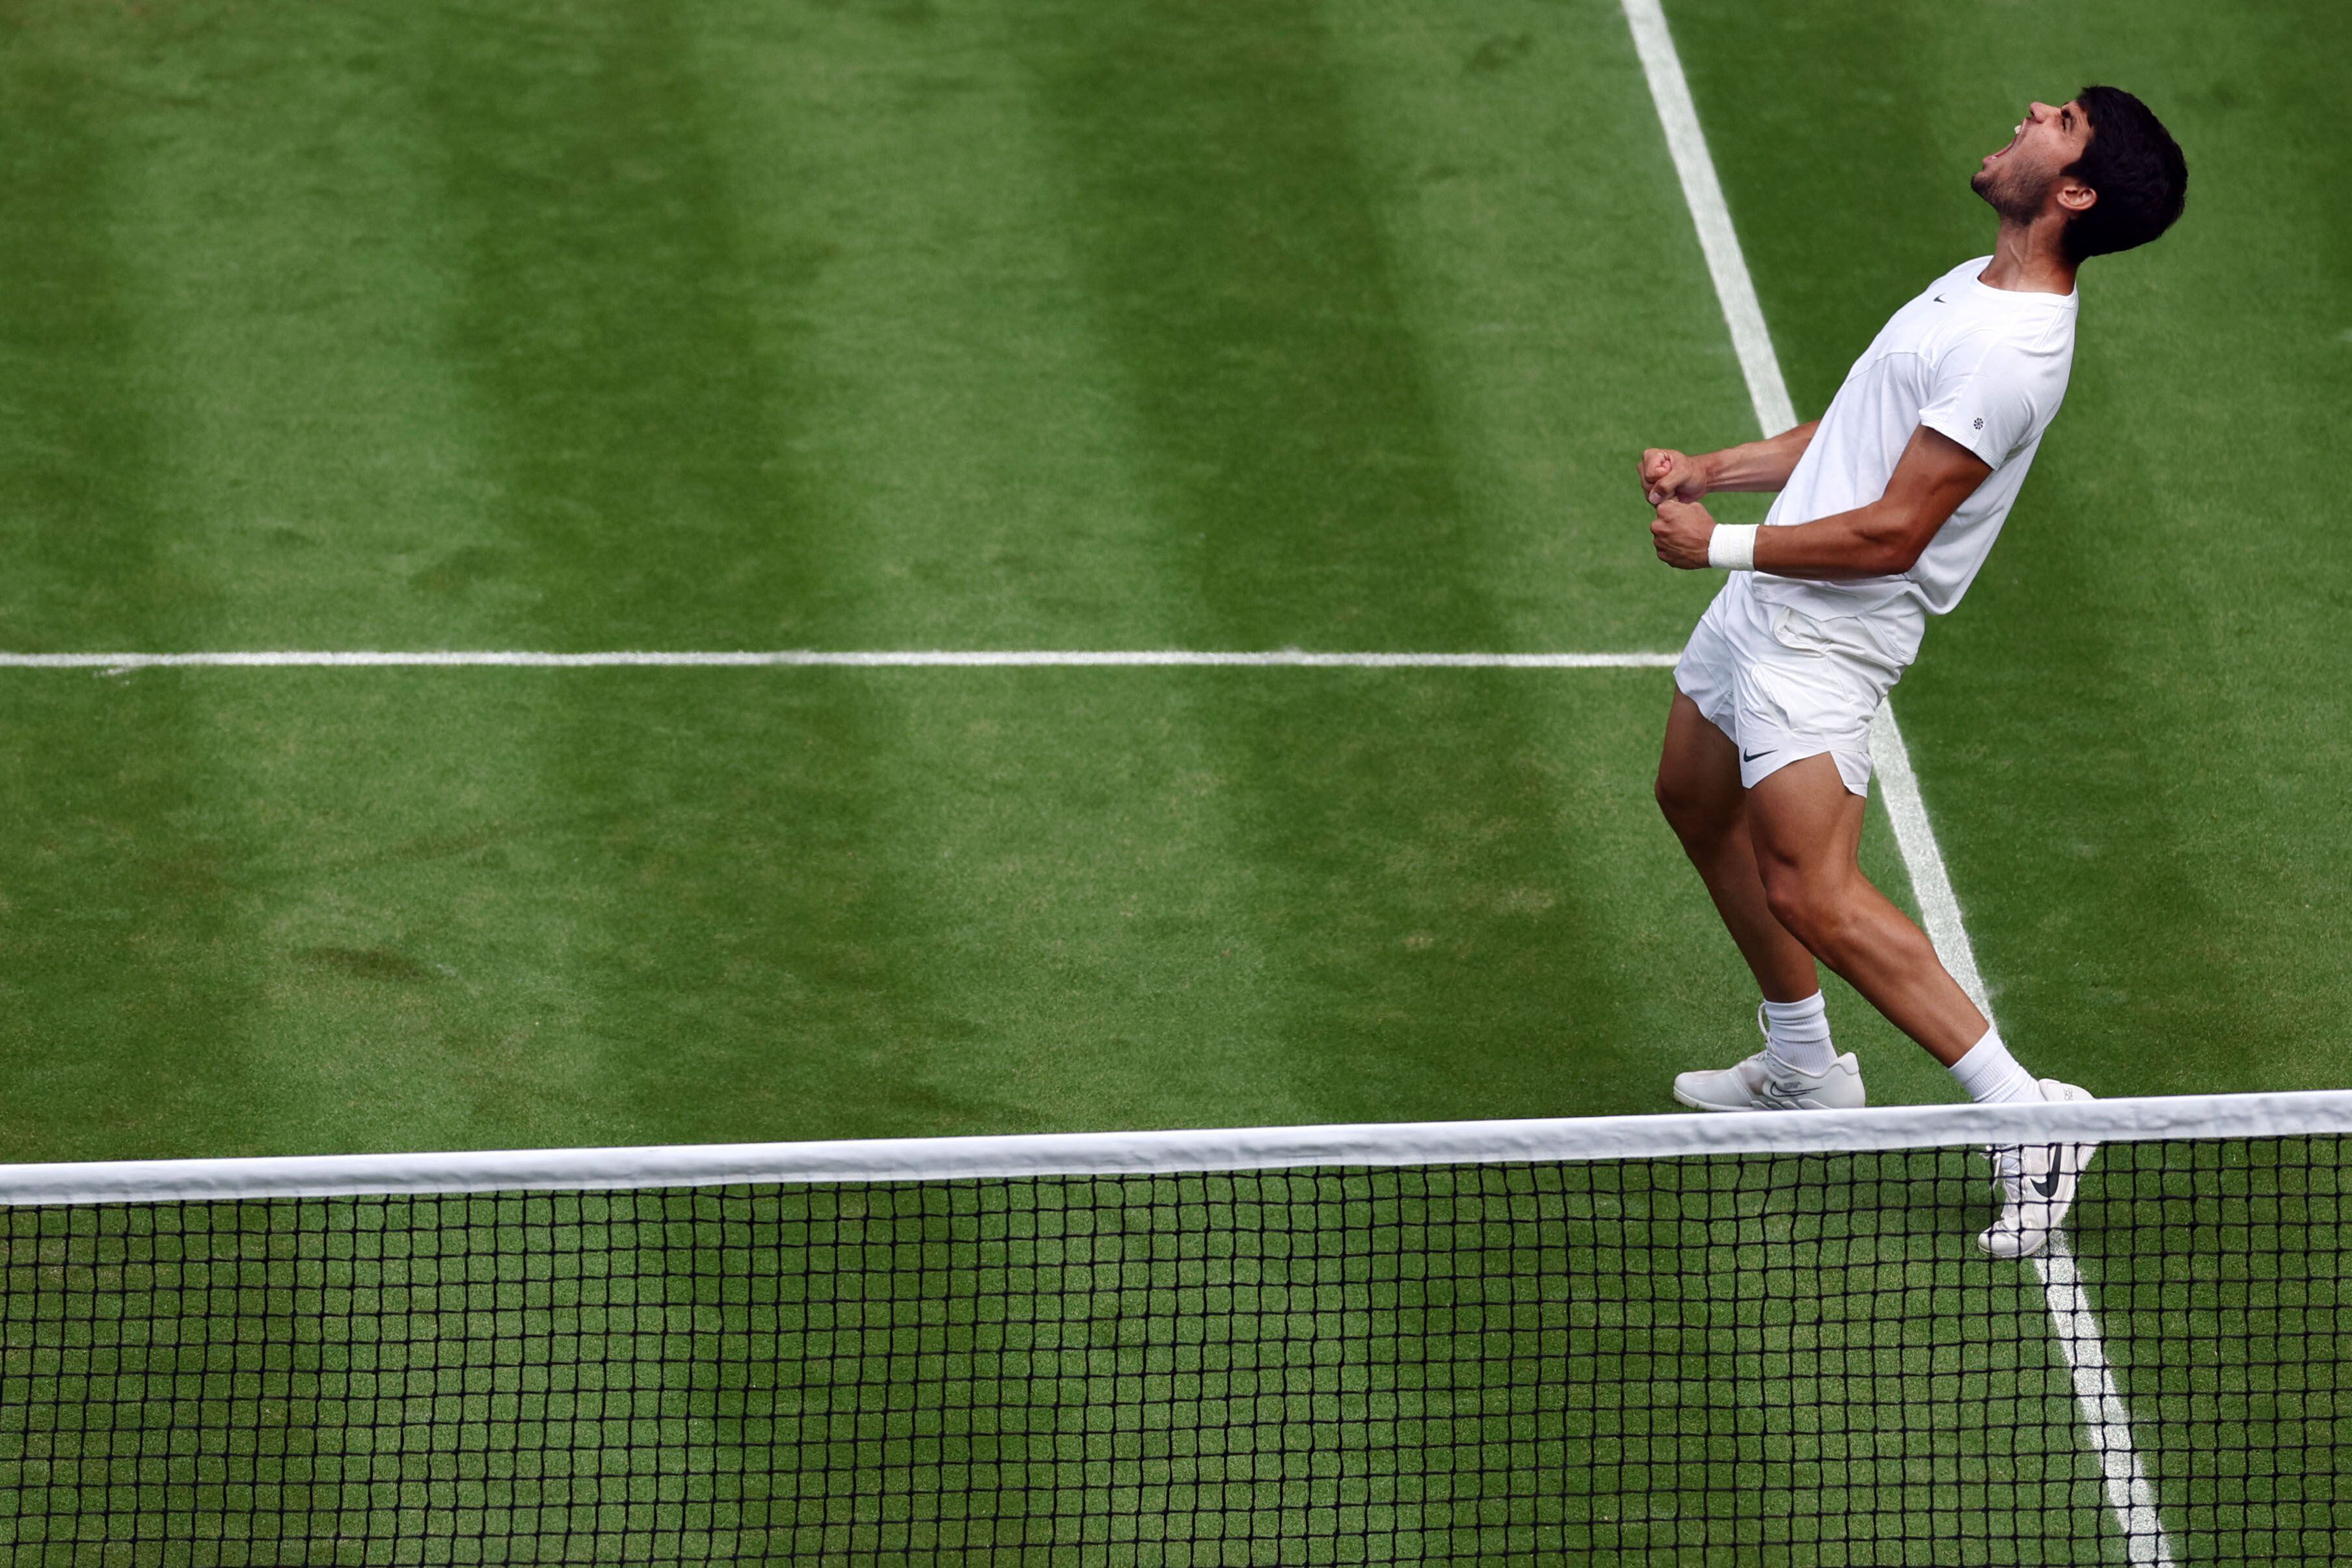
1759,1083
2037,1183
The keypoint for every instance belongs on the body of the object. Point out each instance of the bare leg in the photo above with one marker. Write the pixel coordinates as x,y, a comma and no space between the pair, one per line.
1698,789
1806,828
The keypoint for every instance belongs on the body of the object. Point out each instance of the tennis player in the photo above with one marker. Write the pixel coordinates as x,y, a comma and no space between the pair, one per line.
1888,505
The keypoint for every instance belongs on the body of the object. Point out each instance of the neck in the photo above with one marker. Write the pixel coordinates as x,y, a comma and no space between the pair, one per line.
2028,259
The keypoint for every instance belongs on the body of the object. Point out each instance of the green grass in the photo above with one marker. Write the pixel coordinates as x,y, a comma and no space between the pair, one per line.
586,326
582,327
898,324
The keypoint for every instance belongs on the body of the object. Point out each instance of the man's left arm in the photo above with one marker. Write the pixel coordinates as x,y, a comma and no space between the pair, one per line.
1935,475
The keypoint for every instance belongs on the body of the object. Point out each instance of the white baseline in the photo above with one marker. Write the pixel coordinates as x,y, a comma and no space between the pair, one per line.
2104,1419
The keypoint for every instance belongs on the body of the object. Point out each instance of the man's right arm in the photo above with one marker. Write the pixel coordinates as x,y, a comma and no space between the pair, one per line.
1763,465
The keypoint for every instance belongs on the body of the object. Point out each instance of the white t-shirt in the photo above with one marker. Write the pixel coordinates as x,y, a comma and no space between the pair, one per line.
1985,366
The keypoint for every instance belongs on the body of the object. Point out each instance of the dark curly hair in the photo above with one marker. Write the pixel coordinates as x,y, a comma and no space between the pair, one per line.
2136,167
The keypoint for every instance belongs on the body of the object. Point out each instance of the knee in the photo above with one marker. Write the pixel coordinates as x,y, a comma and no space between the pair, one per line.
1668,797
1809,907
1691,813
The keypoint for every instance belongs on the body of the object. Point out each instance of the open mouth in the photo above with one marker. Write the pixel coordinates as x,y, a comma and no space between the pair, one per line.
2015,137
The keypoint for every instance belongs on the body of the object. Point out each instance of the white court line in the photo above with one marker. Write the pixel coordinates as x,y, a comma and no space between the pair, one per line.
1021,659
2104,1416
2106,1422
1939,911
1704,196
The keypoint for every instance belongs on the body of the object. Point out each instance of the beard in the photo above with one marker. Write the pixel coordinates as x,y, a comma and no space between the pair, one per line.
2016,194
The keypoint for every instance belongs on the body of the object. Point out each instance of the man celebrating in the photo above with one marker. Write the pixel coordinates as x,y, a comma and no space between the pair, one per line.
1888,505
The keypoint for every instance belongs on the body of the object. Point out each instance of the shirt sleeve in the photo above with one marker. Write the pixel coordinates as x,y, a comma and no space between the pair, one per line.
1983,397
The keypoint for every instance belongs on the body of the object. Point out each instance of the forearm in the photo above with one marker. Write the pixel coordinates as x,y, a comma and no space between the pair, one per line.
1763,465
1935,475
1875,540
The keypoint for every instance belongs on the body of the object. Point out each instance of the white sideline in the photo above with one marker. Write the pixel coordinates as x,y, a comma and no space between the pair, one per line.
2104,1416
906,658
1931,884
2108,1427
1577,1140
1703,194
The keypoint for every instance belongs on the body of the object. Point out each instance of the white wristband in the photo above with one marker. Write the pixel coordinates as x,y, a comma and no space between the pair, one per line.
1732,546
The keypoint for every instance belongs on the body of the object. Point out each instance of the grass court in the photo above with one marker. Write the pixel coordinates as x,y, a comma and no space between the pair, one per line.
916,324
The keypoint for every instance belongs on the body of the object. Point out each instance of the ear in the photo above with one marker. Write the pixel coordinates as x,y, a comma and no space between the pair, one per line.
2074,196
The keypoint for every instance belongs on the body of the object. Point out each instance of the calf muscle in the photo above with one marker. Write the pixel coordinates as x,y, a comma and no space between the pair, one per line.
1806,828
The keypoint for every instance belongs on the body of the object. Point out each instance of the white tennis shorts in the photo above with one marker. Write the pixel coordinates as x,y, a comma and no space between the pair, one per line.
1783,685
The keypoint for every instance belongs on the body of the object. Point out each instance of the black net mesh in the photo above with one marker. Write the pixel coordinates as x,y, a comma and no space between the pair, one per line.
1796,1358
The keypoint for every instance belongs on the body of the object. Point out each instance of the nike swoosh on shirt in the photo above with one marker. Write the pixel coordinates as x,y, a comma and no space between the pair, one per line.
1939,298
1751,756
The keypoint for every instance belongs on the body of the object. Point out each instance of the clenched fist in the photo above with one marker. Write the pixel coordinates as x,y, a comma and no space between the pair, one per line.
1669,475
1681,532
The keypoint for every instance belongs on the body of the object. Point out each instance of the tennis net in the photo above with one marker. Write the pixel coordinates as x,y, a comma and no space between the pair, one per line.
1660,1340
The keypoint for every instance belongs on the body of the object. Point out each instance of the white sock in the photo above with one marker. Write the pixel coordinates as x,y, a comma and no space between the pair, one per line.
1991,1075
1797,1035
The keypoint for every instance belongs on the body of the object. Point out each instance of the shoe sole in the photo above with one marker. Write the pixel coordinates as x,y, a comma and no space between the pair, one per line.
1681,1099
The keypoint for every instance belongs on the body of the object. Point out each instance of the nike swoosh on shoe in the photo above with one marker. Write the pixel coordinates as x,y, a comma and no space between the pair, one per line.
2047,1183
